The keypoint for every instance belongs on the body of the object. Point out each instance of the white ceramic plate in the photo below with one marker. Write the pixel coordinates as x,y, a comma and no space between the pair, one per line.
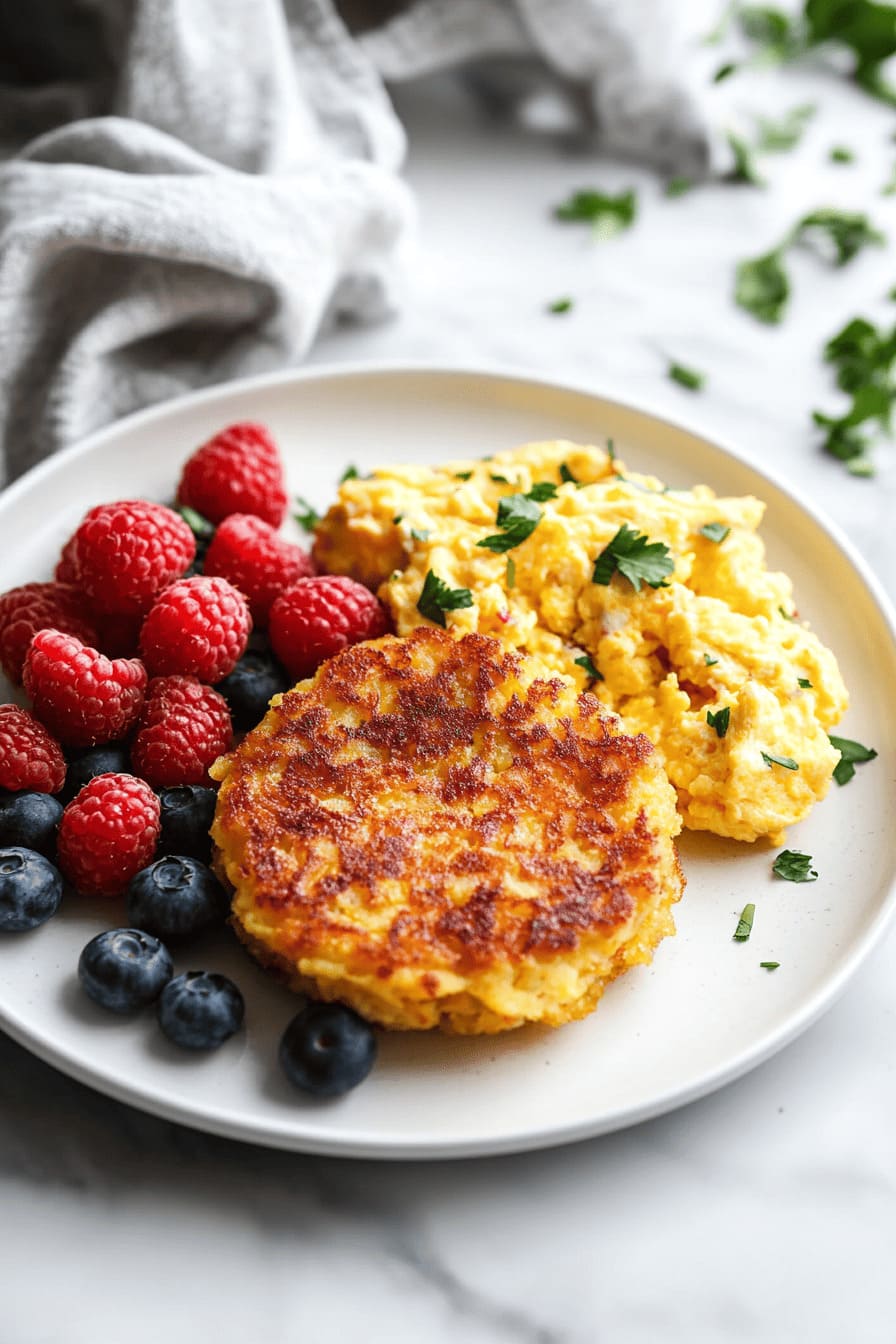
702,1014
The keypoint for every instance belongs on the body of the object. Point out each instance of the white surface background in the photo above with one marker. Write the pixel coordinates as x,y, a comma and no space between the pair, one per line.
766,1212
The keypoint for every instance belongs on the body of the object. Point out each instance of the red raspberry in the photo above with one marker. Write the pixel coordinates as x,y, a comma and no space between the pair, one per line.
108,832
82,696
33,607
318,617
184,727
257,560
124,554
197,627
67,568
238,471
29,757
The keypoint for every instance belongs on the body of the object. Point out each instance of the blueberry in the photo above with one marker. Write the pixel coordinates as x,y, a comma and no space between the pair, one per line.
199,1010
124,969
327,1049
30,820
249,688
175,897
187,813
30,889
86,765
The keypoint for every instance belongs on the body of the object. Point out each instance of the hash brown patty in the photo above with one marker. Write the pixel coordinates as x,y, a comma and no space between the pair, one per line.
439,833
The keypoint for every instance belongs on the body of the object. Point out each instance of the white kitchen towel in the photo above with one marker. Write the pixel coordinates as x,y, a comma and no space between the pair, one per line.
192,187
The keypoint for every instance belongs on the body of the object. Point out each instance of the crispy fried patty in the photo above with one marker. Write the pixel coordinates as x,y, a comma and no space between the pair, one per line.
438,835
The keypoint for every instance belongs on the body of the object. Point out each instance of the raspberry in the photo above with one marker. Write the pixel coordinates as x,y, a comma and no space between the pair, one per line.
79,694
29,757
108,833
33,607
317,617
184,727
237,471
257,560
197,627
67,568
124,554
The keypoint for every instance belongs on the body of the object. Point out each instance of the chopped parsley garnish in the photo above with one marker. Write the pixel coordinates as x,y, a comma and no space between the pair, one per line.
560,306
716,532
788,615
586,663
805,683
786,761
518,516
678,186
397,519
566,475
719,720
351,473
511,572
774,137
864,358
841,154
689,378
307,516
794,866
744,168
851,755
501,480
463,475
611,450
745,924
710,662
437,598
201,528
636,559
769,965
724,72
541,491
420,533
762,285
608,215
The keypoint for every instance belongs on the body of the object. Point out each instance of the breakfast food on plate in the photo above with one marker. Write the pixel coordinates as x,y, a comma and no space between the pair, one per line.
660,599
441,832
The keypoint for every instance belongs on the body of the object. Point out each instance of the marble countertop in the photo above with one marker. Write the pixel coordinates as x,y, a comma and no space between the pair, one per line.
765,1212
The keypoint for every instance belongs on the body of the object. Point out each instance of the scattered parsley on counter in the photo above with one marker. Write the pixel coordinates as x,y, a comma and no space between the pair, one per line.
541,491
307,517
864,358
689,378
805,683
511,572
794,866
786,761
710,662
744,168
437,598
678,186
762,287
636,559
518,516
560,306
719,720
724,72
851,755
586,663
716,532
840,154
839,232
745,924
351,473
776,137
769,965
608,215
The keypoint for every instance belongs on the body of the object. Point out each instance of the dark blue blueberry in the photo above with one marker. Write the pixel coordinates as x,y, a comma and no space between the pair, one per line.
199,1010
327,1049
124,969
30,820
30,889
187,813
249,688
86,765
176,897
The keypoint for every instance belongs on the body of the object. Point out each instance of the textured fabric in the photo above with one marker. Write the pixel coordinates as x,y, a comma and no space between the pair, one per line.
192,188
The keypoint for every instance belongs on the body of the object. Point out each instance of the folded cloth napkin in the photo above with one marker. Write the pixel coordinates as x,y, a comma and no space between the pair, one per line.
191,189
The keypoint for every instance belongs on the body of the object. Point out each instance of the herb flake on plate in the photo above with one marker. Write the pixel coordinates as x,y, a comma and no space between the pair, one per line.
635,558
588,666
794,866
719,720
436,598
560,306
851,755
744,924
518,516
787,762
685,377
716,532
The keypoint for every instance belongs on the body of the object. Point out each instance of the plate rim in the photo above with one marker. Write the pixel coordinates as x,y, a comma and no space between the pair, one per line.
548,1136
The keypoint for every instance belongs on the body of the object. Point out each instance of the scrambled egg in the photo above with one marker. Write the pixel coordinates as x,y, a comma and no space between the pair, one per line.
720,634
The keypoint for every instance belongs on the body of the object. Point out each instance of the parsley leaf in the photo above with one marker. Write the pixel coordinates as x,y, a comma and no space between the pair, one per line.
716,532
689,378
678,186
635,558
769,965
774,137
560,306
307,516
511,572
724,71
786,761
541,491
719,720
420,533
611,450
501,480
841,154
710,662
566,475
844,233
805,683
744,924
864,358
588,665
463,475
607,214
794,866
780,37
851,754
201,528
436,598
762,287
518,516
351,473
744,168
